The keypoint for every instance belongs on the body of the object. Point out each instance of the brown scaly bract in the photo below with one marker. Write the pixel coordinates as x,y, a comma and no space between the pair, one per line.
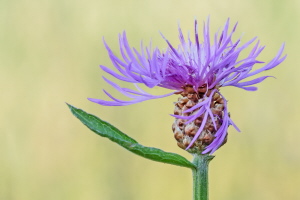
184,133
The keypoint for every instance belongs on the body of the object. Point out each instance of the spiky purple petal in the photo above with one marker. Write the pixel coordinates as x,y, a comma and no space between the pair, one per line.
215,64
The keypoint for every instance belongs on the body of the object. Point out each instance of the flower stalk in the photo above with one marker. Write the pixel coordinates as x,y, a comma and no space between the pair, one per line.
200,176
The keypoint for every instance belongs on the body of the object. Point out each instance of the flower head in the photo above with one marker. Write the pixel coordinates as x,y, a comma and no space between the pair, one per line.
196,70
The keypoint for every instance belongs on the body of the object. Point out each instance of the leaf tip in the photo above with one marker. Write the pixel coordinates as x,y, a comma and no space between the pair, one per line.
70,106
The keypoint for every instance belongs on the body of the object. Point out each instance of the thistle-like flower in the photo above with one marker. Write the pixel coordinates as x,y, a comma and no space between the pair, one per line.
196,71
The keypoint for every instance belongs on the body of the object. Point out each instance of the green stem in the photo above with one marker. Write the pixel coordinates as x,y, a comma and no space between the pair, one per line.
200,176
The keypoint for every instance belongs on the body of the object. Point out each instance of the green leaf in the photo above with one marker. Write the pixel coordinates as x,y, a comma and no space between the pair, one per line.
105,129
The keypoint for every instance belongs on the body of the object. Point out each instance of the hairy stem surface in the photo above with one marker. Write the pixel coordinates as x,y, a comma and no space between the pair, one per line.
200,176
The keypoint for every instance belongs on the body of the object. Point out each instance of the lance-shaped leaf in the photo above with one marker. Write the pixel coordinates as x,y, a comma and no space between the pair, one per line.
105,129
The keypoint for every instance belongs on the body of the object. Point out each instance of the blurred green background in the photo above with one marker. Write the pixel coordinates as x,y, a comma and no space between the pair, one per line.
49,54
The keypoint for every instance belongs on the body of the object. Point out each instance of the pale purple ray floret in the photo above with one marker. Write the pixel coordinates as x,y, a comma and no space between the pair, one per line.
213,63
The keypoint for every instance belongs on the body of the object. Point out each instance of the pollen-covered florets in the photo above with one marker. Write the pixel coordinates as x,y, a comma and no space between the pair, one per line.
195,70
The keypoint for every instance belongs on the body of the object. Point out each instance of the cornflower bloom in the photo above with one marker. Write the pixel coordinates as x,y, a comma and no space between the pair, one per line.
195,70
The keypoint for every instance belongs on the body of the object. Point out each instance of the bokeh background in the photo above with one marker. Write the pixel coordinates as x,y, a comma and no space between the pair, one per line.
49,54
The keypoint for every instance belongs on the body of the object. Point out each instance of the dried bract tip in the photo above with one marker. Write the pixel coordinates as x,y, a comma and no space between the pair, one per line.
203,131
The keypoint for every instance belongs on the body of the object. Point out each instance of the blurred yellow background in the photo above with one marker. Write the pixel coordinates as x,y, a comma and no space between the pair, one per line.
49,54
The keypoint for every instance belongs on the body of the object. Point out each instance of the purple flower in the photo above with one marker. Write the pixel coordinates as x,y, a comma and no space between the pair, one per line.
196,70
